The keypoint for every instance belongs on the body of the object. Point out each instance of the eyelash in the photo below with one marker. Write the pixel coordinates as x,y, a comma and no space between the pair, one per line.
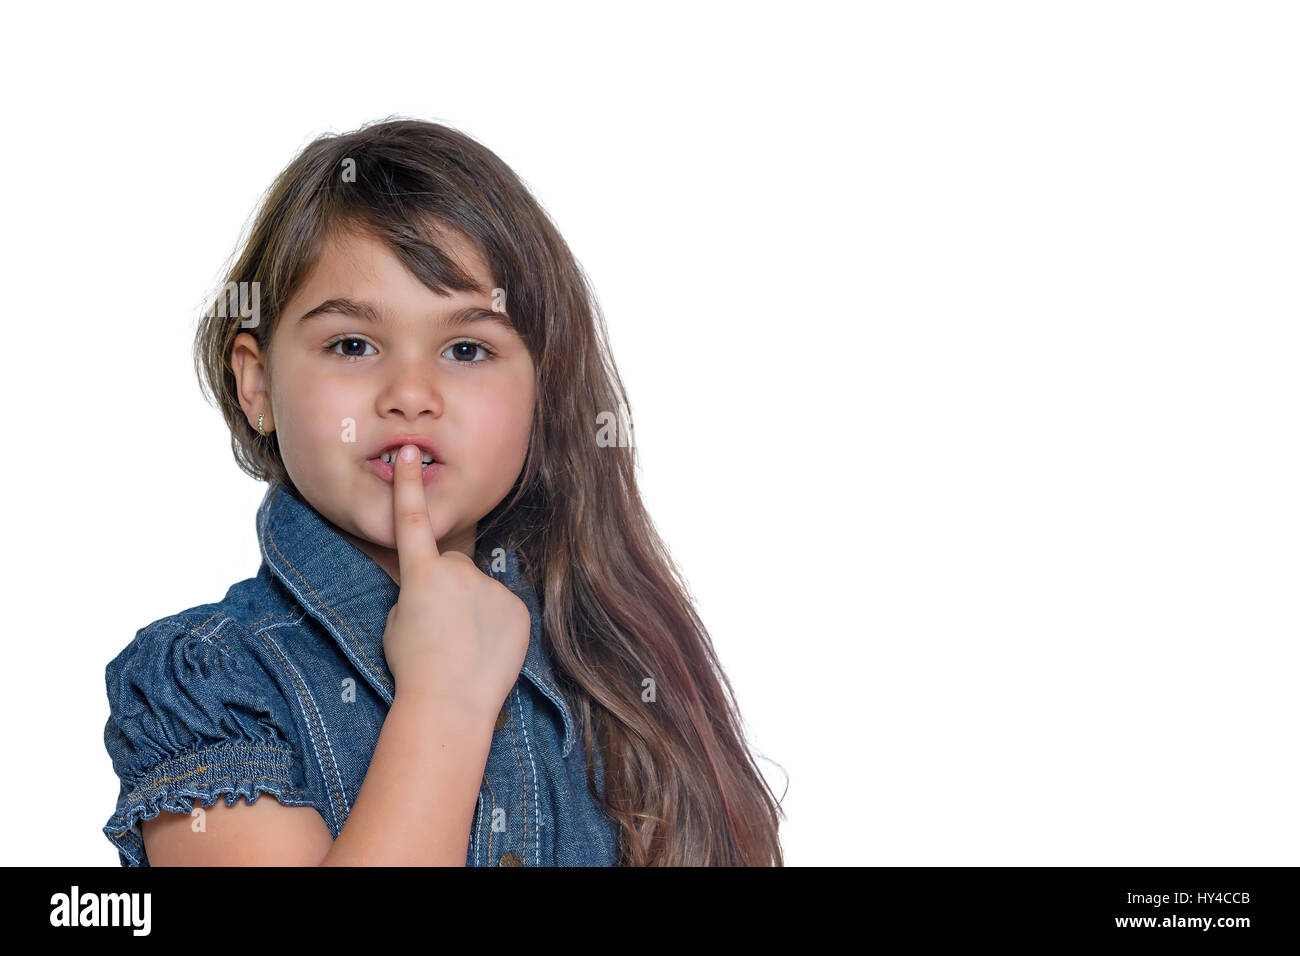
329,348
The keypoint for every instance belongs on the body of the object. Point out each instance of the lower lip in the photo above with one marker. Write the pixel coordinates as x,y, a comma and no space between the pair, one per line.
429,473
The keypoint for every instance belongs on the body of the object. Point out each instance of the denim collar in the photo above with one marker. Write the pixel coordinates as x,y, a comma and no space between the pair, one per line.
350,595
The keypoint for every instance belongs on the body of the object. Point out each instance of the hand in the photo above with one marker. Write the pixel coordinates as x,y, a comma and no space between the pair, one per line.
454,632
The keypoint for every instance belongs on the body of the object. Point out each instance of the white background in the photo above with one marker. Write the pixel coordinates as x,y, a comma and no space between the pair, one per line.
961,343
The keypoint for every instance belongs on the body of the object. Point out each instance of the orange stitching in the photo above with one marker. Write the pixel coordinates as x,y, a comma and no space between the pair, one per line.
311,712
270,537
197,628
140,793
240,748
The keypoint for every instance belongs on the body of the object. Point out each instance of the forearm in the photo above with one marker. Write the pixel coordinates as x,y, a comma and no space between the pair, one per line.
416,805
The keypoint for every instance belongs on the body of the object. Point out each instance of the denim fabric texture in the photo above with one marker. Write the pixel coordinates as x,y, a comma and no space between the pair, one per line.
282,688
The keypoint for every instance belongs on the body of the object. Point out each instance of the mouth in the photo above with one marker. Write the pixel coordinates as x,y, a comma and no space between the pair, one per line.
384,464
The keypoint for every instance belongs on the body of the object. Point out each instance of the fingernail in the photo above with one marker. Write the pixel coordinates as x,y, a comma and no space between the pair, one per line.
409,453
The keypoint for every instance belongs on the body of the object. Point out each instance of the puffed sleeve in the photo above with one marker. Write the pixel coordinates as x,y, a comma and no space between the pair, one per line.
193,715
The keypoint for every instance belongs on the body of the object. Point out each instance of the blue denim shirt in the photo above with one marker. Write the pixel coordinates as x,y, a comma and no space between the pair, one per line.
282,688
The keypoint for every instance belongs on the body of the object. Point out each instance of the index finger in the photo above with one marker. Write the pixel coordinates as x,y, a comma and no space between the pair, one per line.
416,545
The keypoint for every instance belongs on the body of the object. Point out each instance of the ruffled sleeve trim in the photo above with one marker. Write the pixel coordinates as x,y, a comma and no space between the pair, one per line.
246,770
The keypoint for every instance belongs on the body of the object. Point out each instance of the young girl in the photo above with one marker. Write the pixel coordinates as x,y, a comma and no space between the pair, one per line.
479,651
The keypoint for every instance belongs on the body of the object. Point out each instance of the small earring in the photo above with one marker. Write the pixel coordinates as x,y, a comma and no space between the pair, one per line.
260,416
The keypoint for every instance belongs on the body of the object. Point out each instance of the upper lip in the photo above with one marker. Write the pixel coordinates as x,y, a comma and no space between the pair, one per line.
397,441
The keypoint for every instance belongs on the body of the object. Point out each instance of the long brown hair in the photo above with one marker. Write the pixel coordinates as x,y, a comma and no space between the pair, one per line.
620,622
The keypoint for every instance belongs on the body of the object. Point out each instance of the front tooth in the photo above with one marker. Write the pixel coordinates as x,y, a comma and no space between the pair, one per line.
391,456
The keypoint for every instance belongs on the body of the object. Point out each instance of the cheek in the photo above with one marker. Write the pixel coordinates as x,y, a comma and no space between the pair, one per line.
502,426
312,415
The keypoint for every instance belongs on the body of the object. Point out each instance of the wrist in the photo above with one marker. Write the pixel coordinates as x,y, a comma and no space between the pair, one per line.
449,708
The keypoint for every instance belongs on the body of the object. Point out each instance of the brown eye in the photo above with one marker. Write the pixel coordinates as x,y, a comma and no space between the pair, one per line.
467,350
349,343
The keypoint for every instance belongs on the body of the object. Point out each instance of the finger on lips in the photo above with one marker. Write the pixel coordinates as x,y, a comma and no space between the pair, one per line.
416,544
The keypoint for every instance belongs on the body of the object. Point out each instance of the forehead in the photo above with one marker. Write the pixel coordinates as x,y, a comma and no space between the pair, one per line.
354,261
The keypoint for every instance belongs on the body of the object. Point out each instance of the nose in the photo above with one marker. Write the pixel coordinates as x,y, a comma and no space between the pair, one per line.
410,390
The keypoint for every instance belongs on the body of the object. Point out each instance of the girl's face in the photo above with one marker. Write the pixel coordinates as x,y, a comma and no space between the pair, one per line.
342,388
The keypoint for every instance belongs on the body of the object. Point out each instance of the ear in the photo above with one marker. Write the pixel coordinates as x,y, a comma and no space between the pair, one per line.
251,378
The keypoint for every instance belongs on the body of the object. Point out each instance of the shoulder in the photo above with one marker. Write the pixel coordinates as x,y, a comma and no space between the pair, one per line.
216,649
219,633
185,678
206,625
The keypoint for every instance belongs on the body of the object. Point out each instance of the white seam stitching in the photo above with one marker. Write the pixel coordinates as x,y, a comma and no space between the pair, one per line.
272,627
206,635
478,826
338,777
537,836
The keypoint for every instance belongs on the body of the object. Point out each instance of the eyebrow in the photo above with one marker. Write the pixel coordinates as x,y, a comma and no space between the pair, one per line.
368,312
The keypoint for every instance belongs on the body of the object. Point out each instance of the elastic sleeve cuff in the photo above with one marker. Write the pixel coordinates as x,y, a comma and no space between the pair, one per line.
173,785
